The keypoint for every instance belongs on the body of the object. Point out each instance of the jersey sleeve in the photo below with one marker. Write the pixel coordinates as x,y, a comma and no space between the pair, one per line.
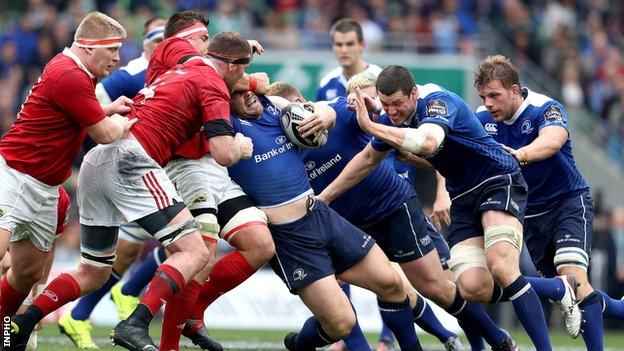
379,144
215,107
553,115
116,84
74,93
439,109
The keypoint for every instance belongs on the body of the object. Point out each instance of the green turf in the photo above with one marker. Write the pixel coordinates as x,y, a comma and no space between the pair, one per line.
560,340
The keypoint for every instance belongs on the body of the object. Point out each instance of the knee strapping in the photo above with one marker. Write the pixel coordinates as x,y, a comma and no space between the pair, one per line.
497,233
173,232
240,219
97,259
571,256
208,226
464,257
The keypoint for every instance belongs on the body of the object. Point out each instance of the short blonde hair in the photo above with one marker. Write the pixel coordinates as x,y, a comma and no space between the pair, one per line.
283,89
97,25
361,80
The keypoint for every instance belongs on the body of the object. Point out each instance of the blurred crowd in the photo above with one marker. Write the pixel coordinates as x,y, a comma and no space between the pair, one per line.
579,43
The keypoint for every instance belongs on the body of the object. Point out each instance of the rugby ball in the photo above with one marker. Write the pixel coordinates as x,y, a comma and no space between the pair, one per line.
292,115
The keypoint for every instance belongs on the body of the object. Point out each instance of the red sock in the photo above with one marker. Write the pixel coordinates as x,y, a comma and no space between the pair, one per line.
166,283
60,291
228,272
10,299
176,313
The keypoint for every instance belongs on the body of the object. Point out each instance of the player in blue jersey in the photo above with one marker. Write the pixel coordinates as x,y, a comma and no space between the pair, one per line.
128,80
314,245
348,47
386,206
485,183
559,213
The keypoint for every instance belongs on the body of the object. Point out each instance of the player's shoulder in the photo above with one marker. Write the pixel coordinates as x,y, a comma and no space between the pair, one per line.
431,91
537,99
331,76
372,69
136,66
483,115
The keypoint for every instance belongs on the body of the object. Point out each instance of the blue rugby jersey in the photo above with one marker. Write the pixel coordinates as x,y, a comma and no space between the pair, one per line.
334,84
275,174
375,196
127,81
468,155
554,179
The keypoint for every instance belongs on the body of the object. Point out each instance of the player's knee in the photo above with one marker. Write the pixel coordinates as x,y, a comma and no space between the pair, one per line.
442,292
27,275
90,277
475,287
391,287
340,326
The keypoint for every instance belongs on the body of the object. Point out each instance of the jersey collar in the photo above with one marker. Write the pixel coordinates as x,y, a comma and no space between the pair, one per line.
67,52
525,94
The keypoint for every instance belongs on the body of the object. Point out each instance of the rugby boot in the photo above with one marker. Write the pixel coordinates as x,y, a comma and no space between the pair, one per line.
125,304
133,332
569,306
79,332
196,331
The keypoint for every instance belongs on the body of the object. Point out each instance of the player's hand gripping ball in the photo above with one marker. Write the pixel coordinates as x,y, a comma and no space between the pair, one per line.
292,115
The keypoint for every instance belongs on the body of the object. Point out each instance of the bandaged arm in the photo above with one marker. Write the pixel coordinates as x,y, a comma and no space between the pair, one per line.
357,169
424,140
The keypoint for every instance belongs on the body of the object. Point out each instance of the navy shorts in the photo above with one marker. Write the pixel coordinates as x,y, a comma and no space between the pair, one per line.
567,225
316,246
444,252
403,234
506,192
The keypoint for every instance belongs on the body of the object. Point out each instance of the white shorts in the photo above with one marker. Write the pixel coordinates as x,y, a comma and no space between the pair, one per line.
202,183
28,207
120,183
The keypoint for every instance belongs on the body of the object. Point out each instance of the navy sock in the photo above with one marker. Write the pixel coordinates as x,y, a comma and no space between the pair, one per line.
612,308
312,336
386,333
529,311
356,339
398,317
549,288
87,303
591,325
474,320
143,275
346,288
473,335
497,294
427,320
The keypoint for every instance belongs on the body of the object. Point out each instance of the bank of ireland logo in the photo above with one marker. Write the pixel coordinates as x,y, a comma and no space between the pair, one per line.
299,274
280,140
310,165
490,128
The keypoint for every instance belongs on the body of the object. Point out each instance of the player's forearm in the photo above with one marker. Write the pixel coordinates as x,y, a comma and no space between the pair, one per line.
356,170
540,149
441,185
392,136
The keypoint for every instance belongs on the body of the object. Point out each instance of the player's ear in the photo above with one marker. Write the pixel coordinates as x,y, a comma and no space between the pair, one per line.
515,88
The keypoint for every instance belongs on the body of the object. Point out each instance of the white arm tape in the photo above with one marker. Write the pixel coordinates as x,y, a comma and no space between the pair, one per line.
415,138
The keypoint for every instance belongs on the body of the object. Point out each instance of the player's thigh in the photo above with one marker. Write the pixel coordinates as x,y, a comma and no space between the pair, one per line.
374,273
201,183
427,276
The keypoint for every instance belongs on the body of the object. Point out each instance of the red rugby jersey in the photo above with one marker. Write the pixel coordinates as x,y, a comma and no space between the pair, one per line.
175,107
49,130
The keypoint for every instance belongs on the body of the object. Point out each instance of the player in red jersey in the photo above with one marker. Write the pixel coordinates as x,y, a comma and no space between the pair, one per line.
124,181
37,153
62,207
